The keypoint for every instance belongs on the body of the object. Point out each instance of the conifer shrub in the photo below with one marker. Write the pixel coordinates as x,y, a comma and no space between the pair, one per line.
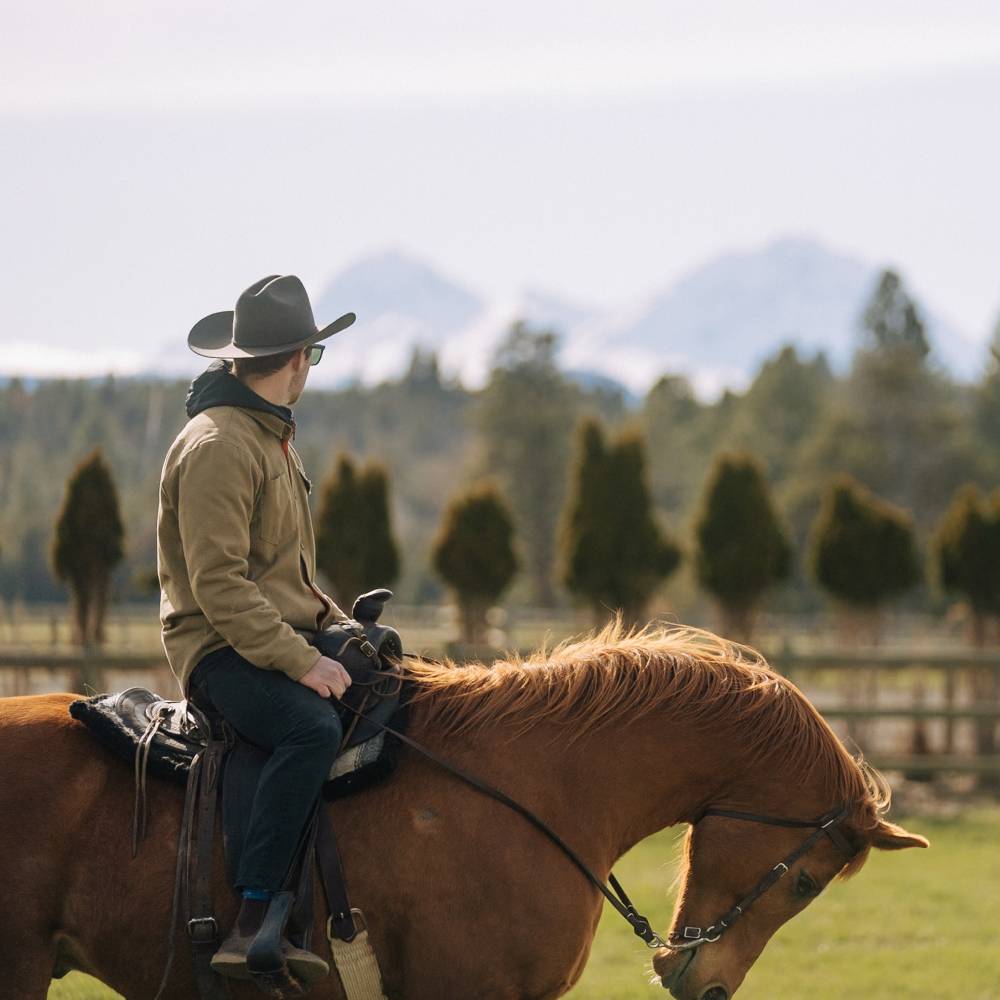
474,555
965,554
87,543
614,553
355,546
742,548
863,551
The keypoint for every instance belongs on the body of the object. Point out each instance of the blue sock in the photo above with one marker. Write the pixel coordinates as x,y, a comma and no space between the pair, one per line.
262,894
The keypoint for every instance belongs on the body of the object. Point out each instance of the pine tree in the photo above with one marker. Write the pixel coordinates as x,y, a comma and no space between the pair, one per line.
354,542
986,407
896,423
781,407
87,544
526,415
863,550
891,319
614,554
742,548
380,561
966,555
674,424
473,553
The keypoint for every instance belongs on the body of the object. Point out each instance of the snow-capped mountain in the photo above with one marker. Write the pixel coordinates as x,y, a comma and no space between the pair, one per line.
718,323
400,302
715,325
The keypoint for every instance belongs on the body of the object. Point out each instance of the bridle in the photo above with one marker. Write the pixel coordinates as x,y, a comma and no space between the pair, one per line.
690,937
825,826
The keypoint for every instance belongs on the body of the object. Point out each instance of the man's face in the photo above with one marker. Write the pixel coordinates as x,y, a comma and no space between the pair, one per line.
298,381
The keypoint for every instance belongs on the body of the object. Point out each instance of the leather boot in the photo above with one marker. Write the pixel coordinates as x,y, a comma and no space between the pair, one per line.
257,949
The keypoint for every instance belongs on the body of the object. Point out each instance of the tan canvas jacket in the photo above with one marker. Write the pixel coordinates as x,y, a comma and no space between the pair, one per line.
236,553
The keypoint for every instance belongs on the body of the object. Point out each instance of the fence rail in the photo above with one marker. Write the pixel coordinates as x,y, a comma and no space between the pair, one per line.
74,661
937,763
912,712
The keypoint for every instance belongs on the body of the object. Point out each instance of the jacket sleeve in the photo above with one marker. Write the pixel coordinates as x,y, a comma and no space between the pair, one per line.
217,483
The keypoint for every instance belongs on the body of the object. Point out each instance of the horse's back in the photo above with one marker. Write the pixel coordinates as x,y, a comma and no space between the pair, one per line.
48,759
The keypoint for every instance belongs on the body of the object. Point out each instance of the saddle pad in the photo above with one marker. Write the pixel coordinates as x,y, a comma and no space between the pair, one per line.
119,719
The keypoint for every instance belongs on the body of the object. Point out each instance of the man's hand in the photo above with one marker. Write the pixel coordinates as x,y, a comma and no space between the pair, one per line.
327,678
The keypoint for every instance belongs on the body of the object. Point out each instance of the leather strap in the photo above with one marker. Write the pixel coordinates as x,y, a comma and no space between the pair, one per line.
824,826
340,923
201,924
300,922
181,867
828,823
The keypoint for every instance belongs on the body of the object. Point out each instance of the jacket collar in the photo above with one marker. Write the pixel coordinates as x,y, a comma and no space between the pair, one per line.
271,422
217,387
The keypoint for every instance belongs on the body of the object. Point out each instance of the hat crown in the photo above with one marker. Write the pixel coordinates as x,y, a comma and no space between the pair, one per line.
271,312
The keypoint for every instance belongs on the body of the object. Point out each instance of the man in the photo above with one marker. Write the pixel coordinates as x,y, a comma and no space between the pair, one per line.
236,560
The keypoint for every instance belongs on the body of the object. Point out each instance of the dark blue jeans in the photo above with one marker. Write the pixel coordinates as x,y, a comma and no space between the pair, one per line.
302,731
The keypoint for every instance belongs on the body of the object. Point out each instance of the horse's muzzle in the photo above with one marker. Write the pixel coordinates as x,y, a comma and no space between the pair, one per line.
671,966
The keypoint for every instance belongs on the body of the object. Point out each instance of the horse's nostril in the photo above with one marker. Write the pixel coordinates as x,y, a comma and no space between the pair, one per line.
715,993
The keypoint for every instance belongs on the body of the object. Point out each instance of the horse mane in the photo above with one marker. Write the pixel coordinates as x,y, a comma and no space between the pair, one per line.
617,671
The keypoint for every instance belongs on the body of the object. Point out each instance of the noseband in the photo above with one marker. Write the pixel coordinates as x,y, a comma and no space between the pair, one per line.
826,825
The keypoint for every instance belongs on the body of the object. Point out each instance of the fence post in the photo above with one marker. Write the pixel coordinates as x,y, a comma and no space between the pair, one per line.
949,704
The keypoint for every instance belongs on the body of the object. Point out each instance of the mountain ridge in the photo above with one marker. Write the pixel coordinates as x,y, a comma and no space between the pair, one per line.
715,324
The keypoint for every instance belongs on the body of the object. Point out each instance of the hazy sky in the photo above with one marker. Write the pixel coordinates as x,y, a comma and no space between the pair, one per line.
158,157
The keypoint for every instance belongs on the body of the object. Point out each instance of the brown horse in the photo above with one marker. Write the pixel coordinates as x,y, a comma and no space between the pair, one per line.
608,739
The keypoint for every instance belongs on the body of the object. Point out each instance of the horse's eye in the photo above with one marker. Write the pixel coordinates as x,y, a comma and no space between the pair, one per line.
805,886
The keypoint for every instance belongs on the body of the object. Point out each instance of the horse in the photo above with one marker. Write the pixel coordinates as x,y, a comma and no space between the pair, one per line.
607,738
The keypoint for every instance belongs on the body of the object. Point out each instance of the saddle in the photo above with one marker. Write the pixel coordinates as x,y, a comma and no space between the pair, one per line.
190,743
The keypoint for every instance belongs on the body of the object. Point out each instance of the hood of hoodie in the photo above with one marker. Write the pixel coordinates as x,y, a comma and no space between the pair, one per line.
217,387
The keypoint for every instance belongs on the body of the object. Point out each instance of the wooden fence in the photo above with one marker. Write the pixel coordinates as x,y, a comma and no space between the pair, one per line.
929,704
929,698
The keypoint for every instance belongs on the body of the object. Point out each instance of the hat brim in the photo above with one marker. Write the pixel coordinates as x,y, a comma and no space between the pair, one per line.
212,337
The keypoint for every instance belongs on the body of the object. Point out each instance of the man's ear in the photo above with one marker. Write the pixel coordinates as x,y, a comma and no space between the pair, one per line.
890,837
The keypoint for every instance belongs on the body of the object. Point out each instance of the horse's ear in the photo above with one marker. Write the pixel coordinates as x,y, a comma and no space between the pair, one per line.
890,837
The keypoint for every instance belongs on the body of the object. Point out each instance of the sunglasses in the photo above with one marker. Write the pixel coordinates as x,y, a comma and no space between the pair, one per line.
314,352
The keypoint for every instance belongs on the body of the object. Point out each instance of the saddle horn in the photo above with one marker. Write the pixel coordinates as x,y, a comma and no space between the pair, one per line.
368,606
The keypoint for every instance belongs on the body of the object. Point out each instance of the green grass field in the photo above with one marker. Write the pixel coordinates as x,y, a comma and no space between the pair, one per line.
915,925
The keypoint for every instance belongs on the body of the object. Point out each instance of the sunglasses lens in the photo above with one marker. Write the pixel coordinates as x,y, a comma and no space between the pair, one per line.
315,353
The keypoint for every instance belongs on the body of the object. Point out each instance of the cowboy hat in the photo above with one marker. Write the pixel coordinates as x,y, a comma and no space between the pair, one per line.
271,316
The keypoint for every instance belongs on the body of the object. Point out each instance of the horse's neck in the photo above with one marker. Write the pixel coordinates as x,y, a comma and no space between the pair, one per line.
605,791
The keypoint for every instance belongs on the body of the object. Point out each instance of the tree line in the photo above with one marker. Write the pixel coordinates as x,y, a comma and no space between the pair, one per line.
613,554
894,422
